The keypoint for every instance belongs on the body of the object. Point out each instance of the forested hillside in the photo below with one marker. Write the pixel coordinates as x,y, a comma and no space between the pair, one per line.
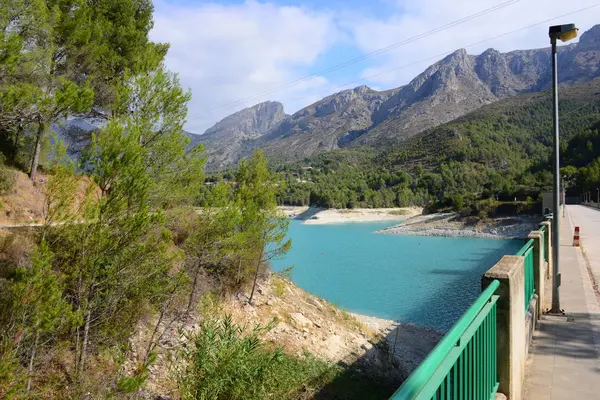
501,151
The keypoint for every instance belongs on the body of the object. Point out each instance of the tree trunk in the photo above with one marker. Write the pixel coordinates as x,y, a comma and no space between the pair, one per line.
256,275
152,343
15,149
86,331
193,292
36,152
239,273
31,358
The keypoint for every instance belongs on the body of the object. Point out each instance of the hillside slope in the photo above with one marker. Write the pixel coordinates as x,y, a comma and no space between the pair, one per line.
501,150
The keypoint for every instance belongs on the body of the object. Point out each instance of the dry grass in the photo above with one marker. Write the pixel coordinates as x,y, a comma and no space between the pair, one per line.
278,286
400,212
15,248
25,203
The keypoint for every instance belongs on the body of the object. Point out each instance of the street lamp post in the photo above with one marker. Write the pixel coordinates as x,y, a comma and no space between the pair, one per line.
563,33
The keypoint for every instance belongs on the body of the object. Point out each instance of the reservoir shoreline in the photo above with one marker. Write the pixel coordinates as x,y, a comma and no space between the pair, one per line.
410,221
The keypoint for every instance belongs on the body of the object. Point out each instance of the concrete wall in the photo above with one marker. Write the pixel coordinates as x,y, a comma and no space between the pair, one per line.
510,324
515,324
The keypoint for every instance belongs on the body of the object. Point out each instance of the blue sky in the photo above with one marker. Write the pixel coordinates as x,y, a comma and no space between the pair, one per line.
233,54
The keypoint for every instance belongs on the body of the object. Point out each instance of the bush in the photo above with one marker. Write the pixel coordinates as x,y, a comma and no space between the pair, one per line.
7,177
225,362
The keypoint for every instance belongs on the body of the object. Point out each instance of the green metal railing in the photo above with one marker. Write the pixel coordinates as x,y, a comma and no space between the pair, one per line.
527,252
463,364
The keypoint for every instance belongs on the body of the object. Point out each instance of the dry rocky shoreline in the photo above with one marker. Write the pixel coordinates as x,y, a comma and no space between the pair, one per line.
449,224
320,216
384,349
411,221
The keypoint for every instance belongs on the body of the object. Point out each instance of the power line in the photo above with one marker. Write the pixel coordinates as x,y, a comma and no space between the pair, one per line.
371,54
444,53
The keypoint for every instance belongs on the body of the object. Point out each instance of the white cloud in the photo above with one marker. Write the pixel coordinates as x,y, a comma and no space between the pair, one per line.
225,53
415,18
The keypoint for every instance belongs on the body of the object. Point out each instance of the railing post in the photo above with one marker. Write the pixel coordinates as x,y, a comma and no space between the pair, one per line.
548,246
539,273
510,323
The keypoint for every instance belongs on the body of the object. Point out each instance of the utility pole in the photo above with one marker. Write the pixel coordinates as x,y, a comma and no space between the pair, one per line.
556,197
564,33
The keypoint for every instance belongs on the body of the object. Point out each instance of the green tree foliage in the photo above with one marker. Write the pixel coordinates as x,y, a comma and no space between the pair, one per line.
112,254
263,225
39,305
214,245
60,57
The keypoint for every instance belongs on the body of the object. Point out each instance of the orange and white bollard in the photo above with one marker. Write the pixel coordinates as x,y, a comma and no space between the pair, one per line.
576,237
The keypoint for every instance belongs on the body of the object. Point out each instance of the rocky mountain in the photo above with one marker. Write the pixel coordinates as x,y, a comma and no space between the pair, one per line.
450,88
229,138
327,124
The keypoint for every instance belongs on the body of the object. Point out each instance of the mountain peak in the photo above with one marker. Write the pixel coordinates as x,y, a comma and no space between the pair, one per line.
250,122
491,52
362,89
459,54
591,37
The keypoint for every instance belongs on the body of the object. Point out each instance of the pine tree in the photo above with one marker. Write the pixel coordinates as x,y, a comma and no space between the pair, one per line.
41,306
263,225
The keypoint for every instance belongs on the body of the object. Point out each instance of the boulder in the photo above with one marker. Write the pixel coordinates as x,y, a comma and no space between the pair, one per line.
300,319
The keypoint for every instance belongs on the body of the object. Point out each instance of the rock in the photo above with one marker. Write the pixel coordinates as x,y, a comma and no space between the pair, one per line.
366,346
269,302
317,324
318,304
500,396
333,345
300,319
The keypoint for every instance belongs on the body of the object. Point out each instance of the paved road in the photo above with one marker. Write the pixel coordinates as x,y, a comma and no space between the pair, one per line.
588,220
565,359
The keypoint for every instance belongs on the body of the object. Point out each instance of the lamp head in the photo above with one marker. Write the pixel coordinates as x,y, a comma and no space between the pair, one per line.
563,32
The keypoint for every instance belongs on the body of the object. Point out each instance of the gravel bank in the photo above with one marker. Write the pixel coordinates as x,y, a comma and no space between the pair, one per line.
318,216
448,224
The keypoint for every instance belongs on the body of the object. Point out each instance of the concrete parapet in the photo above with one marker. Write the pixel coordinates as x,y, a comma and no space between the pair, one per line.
539,269
511,334
548,245
531,318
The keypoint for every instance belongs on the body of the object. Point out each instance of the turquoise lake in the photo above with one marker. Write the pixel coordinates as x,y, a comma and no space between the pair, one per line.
428,281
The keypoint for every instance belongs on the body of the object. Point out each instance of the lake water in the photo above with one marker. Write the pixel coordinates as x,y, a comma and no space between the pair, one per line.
425,280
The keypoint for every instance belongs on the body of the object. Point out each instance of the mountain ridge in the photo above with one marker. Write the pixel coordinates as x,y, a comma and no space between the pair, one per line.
453,86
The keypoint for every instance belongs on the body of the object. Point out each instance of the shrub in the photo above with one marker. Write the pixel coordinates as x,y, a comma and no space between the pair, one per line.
278,286
7,177
226,362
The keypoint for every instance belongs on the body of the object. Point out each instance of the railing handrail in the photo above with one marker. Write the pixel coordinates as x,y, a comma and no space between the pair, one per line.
543,228
420,376
525,247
